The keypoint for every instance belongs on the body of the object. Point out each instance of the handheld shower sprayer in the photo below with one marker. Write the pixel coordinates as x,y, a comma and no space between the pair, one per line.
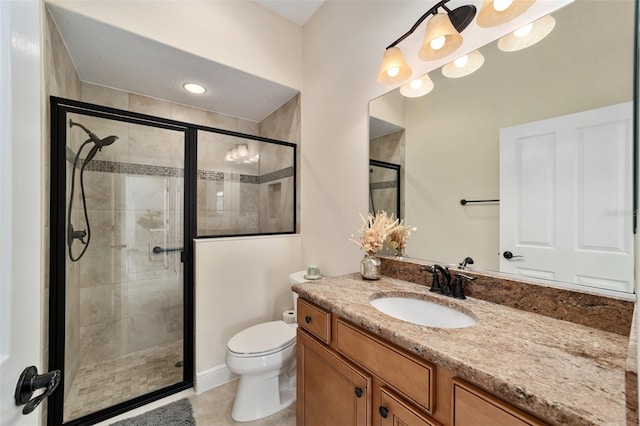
73,234
99,142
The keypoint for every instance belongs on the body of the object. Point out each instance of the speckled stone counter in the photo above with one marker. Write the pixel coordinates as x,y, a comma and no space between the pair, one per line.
601,312
631,374
564,373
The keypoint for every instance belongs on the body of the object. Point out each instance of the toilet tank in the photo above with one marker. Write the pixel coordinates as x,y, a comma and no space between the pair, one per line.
296,278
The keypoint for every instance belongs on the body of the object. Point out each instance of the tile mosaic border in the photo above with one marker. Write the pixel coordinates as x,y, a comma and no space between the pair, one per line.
393,184
166,171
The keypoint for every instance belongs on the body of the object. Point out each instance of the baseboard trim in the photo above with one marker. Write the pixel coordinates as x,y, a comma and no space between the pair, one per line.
212,378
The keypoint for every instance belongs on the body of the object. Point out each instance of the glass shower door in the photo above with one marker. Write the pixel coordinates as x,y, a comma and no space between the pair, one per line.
124,279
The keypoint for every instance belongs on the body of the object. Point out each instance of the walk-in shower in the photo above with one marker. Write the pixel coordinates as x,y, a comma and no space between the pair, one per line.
121,308
120,311
84,236
384,187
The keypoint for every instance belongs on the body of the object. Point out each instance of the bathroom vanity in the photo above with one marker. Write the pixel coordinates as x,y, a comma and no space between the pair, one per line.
359,366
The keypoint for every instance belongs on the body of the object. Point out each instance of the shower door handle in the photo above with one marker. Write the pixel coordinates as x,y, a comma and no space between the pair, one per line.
29,382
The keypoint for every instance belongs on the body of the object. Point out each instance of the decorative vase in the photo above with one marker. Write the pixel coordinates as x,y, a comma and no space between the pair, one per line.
370,267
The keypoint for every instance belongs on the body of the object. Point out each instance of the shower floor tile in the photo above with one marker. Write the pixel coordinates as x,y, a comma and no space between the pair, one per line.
105,383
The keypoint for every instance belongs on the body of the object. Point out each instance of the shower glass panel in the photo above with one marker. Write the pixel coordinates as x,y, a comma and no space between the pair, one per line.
384,187
245,185
123,273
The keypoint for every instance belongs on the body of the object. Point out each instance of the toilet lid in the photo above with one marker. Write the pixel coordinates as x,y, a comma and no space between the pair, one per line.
265,337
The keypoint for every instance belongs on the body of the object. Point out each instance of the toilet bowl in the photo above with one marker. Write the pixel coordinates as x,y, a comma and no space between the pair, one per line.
264,356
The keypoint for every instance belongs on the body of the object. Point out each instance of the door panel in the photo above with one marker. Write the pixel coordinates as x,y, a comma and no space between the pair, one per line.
566,198
21,209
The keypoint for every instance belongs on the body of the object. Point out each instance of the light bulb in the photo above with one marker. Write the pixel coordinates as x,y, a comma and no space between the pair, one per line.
416,84
437,43
501,5
523,31
243,151
392,72
461,62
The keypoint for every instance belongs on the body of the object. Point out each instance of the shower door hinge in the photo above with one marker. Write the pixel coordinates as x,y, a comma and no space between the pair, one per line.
182,256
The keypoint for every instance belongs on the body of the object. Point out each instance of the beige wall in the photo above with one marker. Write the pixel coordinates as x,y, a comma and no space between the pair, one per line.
239,282
343,47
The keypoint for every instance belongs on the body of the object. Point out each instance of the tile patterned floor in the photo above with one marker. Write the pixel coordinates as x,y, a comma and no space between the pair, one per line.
213,408
122,379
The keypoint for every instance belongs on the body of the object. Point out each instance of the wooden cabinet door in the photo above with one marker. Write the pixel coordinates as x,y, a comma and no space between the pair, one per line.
474,407
394,411
330,392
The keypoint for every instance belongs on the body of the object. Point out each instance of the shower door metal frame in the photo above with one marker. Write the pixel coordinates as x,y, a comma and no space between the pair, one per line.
57,253
391,166
294,213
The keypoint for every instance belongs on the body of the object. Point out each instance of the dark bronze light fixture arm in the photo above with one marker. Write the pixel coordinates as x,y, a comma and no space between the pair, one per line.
460,17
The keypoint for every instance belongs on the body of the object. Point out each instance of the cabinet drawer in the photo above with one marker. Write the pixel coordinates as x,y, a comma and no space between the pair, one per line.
315,320
413,378
394,411
474,407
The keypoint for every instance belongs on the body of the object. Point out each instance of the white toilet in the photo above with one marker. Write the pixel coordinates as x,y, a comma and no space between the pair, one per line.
264,356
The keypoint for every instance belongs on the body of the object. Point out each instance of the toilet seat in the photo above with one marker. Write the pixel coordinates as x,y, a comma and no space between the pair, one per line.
262,339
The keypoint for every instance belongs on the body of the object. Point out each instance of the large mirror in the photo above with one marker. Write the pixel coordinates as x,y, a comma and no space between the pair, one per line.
545,134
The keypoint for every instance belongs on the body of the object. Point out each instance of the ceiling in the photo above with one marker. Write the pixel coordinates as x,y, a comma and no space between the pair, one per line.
100,53
298,11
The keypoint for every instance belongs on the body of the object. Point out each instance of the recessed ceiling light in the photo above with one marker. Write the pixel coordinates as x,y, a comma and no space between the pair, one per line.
194,88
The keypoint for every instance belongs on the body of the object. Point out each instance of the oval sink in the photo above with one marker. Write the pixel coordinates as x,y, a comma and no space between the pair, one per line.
422,312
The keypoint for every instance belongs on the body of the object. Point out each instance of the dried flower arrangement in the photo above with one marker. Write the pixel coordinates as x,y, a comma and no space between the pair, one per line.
374,231
398,236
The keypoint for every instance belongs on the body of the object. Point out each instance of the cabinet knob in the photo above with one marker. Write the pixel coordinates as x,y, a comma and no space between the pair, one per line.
384,412
358,392
307,319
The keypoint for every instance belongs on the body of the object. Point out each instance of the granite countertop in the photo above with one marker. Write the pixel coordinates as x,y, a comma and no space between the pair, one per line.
562,372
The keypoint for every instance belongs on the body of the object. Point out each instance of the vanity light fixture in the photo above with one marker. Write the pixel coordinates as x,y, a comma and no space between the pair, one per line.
418,87
464,65
527,35
497,12
394,68
442,37
194,88
240,154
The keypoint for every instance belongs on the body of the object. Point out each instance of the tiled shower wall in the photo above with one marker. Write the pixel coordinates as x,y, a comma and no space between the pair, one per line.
130,298
243,198
60,79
